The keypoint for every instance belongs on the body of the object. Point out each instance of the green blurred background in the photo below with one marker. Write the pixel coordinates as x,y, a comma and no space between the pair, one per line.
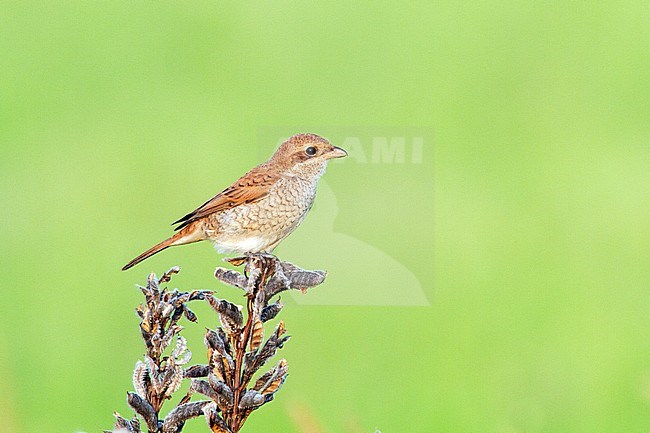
526,224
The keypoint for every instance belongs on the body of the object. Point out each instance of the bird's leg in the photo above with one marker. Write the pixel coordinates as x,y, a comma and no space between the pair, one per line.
262,261
270,265
270,261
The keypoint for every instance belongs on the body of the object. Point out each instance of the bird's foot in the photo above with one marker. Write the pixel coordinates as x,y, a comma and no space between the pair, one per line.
267,258
266,262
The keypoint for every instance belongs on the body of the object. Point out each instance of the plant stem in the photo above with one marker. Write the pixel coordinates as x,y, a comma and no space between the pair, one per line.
235,421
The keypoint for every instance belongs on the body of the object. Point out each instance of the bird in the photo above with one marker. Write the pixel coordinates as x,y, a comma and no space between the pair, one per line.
261,208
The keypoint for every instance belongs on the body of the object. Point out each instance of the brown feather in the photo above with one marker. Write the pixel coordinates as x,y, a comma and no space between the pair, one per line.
186,236
250,188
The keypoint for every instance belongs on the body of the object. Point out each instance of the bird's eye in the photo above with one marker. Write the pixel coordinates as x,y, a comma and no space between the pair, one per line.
311,151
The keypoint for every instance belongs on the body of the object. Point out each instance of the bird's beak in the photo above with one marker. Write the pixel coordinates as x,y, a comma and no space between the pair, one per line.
337,152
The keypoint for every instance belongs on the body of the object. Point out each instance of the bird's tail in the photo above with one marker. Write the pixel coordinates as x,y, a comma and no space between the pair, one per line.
186,236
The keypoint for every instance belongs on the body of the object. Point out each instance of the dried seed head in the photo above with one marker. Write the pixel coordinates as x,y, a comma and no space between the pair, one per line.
258,333
203,387
173,382
259,383
140,379
152,280
230,277
293,277
187,356
145,325
153,371
167,276
123,425
181,347
252,400
274,385
254,361
215,422
197,371
212,340
270,311
279,331
225,397
228,366
236,261
159,376
189,314
224,339
276,380
167,310
219,369
271,381
143,408
218,355
230,314
181,413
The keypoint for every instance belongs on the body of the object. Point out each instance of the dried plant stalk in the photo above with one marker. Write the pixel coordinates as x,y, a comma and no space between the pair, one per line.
236,350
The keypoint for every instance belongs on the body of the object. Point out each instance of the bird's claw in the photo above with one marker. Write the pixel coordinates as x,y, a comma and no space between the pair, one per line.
259,260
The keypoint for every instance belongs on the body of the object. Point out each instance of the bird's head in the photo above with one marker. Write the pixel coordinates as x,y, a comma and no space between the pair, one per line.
307,154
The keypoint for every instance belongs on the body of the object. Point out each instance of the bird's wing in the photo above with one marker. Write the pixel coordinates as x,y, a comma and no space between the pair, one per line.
250,188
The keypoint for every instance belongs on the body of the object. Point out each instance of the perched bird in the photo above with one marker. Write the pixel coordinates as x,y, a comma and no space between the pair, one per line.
261,208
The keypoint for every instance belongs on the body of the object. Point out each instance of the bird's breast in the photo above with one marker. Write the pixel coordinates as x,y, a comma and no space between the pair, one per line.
253,227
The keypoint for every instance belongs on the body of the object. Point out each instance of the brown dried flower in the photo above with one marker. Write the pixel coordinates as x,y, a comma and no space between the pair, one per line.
235,351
